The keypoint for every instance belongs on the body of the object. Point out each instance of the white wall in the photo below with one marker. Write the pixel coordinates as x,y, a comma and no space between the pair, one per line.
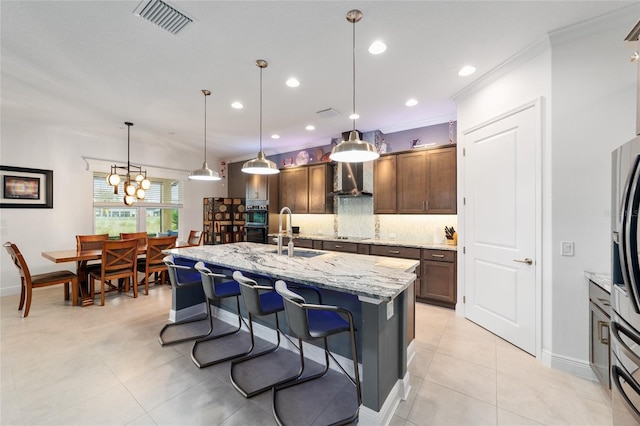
594,93
41,146
588,89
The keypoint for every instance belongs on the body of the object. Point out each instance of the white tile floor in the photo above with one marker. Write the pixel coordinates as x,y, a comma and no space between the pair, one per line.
65,365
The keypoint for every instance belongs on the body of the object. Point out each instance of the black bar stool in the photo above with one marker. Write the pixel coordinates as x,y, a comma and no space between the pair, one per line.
182,276
215,290
260,300
310,322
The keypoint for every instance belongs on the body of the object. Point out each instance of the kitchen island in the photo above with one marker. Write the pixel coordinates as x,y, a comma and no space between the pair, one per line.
382,286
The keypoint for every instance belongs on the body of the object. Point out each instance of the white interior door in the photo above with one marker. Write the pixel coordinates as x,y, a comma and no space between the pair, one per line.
500,227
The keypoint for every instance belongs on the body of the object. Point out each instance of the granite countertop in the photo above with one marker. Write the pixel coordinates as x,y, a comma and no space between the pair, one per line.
375,241
602,280
377,277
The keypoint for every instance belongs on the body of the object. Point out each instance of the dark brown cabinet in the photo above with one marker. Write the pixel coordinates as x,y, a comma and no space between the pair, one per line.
320,186
306,189
599,345
294,189
340,246
384,185
426,181
438,280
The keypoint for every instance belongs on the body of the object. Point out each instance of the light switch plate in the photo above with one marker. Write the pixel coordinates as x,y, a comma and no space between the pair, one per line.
567,248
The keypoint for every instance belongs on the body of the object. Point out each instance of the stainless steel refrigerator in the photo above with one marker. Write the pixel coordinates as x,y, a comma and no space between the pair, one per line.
625,291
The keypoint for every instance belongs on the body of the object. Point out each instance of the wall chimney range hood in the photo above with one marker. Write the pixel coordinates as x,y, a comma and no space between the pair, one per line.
351,184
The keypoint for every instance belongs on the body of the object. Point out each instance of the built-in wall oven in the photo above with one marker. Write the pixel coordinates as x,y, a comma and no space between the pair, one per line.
257,224
625,291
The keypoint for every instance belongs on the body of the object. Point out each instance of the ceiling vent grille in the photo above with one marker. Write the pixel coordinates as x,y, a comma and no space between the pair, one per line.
328,113
163,15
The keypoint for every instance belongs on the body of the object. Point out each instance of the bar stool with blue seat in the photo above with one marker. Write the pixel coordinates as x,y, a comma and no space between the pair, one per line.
183,277
215,290
260,300
309,322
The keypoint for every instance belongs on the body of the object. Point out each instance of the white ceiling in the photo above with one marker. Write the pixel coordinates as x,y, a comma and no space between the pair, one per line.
88,66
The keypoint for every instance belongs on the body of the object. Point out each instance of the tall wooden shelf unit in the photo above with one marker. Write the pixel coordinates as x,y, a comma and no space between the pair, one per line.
223,220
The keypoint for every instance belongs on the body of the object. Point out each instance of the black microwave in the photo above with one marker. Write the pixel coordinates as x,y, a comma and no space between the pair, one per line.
257,217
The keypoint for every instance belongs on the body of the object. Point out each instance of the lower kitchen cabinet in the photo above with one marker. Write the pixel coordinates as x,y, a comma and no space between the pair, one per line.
346,247
438,280
599,318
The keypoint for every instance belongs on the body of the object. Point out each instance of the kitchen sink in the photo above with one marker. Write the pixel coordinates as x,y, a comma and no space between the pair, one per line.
299,252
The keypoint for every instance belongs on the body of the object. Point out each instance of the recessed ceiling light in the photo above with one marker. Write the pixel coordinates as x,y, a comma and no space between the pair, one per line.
354,116
274,136
310,127
293,82
377,47
237,105
411,102
466,70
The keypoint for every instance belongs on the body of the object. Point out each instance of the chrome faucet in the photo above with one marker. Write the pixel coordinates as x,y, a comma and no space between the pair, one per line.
289,232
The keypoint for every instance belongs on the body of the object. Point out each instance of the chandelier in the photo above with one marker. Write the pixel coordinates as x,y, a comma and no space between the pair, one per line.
135,179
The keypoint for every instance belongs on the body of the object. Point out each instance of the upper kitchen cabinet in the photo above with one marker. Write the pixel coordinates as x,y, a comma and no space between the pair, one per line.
426,181
320,188
307,189
257,188
384,185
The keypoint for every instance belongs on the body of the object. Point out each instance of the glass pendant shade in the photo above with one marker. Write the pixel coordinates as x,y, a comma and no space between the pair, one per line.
205,173
129,189
113,179
145,184
354,150
260,165
128,200
140,194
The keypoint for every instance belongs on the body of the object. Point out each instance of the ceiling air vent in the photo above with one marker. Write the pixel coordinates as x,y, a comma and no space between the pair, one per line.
163,15
327,113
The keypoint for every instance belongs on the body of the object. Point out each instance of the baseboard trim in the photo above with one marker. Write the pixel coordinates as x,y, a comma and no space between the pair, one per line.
577,367
369,417
186,313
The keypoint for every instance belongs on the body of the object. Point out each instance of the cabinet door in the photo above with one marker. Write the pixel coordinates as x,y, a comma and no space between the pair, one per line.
441,181
294,190
438,282
384,185
320,185
257,187
412,171
599,344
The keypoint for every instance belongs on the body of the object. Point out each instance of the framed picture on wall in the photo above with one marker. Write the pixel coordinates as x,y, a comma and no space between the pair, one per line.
26,188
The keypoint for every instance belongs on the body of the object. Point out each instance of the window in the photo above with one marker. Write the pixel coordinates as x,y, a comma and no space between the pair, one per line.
157,213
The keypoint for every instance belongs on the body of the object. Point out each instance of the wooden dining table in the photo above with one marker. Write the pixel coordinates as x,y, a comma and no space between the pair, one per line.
81,258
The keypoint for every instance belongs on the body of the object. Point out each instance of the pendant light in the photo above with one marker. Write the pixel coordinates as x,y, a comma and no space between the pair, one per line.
133,188
260,165
205,173
354,150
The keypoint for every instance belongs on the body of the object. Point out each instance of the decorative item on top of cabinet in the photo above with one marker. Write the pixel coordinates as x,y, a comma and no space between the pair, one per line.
599,345
438,281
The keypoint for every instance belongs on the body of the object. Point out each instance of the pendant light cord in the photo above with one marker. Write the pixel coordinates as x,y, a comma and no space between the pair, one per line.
354,74
128,151
205,127
261,109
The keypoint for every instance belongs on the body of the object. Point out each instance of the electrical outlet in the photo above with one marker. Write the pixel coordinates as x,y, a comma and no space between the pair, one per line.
567,248
389,310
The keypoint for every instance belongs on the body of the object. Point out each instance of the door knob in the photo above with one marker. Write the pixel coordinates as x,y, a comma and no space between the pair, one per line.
526,260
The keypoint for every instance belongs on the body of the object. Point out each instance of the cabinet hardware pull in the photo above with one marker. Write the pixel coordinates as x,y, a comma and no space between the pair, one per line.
526,260
394,251
437,255
605,325
338,246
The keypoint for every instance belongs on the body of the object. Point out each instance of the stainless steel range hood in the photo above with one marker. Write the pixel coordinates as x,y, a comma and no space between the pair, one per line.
351,183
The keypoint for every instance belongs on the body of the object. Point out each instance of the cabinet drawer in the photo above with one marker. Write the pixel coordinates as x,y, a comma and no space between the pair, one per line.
303,242
340,246
600,297
394,251
439,255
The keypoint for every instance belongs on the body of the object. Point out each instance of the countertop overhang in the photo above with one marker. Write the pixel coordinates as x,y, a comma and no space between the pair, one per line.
374,241
376,277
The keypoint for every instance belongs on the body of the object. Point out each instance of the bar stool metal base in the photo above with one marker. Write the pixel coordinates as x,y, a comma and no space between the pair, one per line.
204,317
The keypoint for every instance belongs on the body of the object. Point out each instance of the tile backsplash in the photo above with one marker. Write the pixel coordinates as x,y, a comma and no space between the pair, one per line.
354,218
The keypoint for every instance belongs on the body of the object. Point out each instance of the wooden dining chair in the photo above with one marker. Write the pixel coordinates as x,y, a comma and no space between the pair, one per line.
29,282
91,242
195,238
119,261
142,237
153,262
